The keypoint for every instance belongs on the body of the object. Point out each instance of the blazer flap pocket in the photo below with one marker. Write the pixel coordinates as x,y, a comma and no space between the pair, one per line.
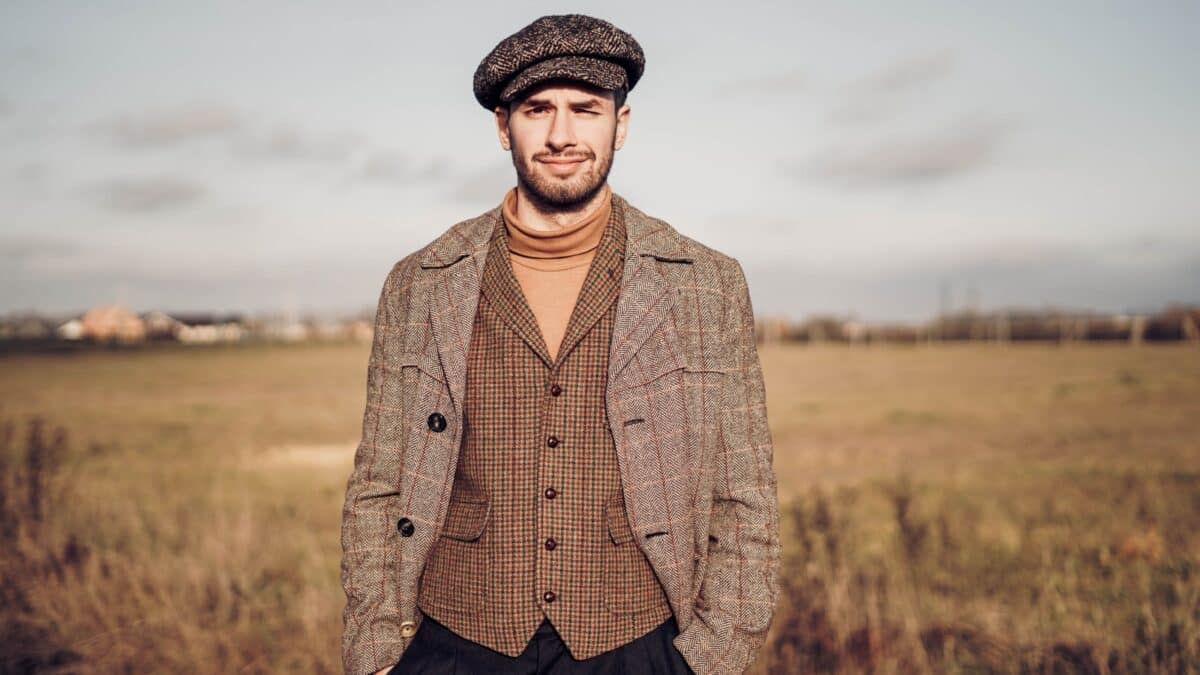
466,518
427,363
646,370
617,520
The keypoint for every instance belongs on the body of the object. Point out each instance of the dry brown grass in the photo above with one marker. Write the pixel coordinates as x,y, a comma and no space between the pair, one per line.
958,508
1025,508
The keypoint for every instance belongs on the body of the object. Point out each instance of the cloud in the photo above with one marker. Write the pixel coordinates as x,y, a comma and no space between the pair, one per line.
878,95
287,142
173,280
908,73
147,195
941,155
245,137
487,185
996,275
20,248
170,127
395,168
26,176
788,82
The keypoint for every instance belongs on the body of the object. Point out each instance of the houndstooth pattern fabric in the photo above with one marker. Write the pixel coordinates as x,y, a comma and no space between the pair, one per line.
685,404
574,46
487,573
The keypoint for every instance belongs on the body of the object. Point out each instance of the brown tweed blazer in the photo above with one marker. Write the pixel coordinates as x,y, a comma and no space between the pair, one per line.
695,469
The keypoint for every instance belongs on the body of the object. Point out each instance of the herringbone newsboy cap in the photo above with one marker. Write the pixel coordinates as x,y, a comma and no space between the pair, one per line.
574,46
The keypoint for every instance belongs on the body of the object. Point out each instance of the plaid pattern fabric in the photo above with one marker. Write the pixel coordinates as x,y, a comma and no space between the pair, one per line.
487,574
685,404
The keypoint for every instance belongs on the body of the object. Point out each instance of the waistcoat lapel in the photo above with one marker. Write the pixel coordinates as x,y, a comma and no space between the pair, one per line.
501,287
458,262
600,287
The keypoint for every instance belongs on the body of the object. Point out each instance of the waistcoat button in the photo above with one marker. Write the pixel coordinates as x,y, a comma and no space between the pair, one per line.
549,596
552,441
551,493
551,544
555,390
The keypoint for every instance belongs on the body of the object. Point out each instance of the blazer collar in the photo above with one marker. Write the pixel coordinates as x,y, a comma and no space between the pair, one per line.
645,298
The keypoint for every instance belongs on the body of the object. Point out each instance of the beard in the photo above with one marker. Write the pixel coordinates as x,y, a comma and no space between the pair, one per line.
563,194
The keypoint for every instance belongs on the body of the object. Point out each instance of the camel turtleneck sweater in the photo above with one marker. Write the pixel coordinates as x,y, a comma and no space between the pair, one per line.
551,265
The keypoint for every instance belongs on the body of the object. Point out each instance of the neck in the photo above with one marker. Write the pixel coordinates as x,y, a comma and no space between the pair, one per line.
539,216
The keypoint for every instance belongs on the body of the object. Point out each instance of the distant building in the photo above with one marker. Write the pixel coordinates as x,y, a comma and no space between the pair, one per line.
326,329
770,329
71,330
112,323
286,329
30,327
361,330
208,328
161,326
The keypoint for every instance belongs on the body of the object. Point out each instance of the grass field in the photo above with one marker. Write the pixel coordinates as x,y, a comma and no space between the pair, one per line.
964,508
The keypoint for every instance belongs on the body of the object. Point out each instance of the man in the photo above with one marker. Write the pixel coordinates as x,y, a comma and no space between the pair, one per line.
565,464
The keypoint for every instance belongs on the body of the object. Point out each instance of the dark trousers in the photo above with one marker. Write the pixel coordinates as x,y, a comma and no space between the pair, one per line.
436,650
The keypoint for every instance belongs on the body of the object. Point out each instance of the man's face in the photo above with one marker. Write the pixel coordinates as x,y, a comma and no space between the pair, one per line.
562,136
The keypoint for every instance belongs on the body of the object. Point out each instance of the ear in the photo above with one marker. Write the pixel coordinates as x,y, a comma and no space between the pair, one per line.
622,127
502,127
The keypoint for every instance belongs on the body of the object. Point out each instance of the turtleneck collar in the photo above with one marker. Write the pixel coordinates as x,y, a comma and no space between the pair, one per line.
574,239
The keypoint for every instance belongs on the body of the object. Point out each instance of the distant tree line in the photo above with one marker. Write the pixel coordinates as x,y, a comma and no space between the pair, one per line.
1174,323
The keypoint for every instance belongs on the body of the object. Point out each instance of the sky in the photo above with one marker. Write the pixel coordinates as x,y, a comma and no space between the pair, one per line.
873,160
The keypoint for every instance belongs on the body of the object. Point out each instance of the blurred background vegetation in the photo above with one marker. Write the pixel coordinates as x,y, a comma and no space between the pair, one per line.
947,508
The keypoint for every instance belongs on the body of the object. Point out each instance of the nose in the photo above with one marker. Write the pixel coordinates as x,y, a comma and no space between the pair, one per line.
562,131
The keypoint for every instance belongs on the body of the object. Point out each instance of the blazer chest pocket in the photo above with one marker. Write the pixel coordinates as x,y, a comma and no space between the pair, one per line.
455,576
627,580
670,409
669,369
423,386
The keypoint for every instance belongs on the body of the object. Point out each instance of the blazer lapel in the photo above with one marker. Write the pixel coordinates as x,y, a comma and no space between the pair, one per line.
456,262
647,296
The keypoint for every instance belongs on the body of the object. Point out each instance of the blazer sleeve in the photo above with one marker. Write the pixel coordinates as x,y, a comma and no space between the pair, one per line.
738,594
372,614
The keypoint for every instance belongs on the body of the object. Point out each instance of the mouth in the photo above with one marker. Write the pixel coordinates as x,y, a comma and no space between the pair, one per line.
564,164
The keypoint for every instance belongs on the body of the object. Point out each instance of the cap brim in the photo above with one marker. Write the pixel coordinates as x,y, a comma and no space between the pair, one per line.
599,72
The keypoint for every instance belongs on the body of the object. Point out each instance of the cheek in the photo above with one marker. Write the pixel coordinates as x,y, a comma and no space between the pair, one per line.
529,133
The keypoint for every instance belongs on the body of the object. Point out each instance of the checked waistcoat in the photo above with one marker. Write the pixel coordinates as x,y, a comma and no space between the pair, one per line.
536,525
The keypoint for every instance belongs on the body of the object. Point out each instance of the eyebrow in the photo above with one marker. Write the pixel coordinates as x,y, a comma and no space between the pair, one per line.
592,102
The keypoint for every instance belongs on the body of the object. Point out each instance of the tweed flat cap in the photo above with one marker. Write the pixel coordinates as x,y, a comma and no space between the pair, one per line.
574,46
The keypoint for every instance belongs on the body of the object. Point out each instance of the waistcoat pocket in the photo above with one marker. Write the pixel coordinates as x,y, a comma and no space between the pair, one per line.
627,580
466,518
455,576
